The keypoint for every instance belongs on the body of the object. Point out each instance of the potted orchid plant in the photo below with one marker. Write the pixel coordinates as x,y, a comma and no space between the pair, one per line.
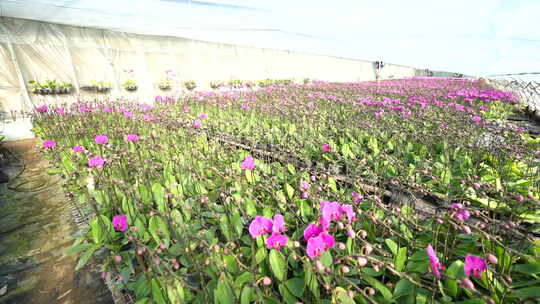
130,84
190,85
167,82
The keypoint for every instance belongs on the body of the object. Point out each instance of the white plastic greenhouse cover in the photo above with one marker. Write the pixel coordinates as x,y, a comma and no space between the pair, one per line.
34,50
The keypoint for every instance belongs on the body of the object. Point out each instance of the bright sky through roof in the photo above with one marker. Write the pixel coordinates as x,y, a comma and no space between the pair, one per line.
479,37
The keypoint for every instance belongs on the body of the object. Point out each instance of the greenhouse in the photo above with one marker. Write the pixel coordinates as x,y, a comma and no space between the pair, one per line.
232,151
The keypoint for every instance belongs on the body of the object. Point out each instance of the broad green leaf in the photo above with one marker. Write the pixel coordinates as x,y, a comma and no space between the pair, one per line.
296,286
326,259
224,292
332,184
246,295
159,197
77,249
528,292
68,164
260,255
278,264
243,278
157,293
341,296
527,268
392,245
85,257
456,270
289,190
401,258
403,287
291,169
379,286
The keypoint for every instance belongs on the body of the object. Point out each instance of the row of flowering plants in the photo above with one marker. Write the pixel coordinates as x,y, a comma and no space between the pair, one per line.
284,195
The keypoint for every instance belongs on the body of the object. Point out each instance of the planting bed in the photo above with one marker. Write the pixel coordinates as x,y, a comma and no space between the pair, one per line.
402,191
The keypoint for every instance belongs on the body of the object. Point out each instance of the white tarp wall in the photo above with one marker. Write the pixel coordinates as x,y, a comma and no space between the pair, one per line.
32,50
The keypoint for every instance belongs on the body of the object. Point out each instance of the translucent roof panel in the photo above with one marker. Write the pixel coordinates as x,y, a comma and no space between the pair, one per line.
480,37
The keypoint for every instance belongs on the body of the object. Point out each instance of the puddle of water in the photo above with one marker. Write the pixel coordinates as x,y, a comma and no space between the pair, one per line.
35,229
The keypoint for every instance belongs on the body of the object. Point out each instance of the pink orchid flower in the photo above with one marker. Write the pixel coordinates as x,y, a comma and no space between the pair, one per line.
276,240
49,144
475,265
434,261
101,139
259,226
120,223
248,163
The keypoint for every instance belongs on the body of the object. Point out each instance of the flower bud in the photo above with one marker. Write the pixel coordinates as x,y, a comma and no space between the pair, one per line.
466,229
370,291
176,266
351,233
341,246
117,259
266,281
345,269
296,244
362,261
492,259
368,249
340,226
467,283
319,265
157,261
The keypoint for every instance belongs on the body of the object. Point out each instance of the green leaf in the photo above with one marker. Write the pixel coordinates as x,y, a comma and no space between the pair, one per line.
68,164
232,265
260,255
243,278
326,259
392,245
96,231
528,292
85,257
77,249
341,296
224,292
527,268
296,286
157,294
141,287
332,184
246,295
236,221
456,270
155,224
379,286
278,265
401,258
291,169
289,190
159,196
404,287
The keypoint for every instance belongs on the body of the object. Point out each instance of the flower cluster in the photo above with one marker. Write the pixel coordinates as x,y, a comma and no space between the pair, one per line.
262,225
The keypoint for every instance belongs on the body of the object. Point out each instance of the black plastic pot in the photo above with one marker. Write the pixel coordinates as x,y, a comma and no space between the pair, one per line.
131,88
